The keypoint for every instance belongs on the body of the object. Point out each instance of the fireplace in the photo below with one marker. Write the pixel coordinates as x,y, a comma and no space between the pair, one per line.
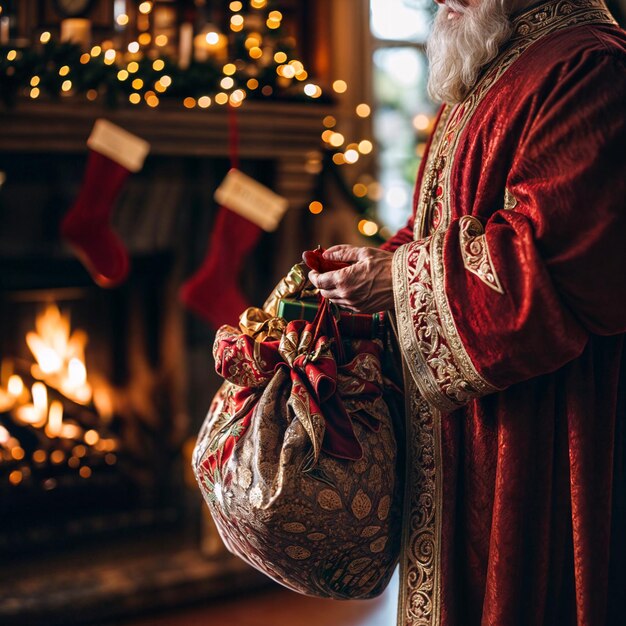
103,391
87,444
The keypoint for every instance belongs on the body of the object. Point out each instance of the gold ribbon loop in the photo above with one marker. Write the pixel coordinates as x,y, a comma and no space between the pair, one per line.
261,326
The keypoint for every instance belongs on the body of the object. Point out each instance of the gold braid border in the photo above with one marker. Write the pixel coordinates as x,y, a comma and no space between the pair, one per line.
439,374
420,597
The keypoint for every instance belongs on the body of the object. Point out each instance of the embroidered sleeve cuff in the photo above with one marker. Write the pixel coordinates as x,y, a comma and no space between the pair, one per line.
431,346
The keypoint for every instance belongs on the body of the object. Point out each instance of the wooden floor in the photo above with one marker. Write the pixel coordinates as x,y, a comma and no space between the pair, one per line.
281,607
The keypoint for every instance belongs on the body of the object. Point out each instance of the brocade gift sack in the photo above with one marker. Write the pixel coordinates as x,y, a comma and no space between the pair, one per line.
297,459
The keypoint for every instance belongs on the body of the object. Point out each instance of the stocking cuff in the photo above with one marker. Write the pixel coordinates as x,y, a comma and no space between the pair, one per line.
252,200
119,145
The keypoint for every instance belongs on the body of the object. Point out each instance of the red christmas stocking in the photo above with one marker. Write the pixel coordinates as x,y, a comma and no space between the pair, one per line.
212,292
114,154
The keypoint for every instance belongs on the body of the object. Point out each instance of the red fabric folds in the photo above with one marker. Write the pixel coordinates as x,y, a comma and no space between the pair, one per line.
533,478
318,381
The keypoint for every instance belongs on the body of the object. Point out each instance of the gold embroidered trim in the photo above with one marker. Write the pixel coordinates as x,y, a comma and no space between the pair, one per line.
435,356
510,201
475,252
428,188
426,352
556,15
420,557
420,592
418,323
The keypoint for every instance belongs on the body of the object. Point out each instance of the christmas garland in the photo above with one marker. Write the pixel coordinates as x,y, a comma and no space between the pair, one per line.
264,66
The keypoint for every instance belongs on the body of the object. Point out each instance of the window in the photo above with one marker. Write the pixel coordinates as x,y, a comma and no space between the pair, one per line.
403,112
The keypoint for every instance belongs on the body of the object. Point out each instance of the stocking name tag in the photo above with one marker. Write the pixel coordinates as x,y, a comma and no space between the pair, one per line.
251,200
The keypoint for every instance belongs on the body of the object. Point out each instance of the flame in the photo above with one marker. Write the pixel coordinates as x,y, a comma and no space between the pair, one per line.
103,402
40,398
15,386
55,419
77,372
60,354
7,401
59,368
4,436
30,414
49,361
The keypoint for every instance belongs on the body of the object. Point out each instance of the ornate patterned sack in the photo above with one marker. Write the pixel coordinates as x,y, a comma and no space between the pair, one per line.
297,459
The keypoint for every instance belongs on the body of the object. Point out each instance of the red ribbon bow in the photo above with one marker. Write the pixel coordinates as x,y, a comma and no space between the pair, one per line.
321,383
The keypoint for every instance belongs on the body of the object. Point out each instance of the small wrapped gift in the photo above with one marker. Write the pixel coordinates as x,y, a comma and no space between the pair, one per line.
355,325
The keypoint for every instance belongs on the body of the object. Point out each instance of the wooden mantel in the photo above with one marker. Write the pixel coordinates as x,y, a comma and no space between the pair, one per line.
267,129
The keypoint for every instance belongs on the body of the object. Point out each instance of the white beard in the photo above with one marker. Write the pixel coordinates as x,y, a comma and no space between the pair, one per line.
461,45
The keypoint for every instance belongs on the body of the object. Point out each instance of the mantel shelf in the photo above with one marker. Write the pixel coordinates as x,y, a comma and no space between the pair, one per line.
271,130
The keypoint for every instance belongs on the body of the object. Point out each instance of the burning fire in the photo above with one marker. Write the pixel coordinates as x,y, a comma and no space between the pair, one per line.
60,355
49,405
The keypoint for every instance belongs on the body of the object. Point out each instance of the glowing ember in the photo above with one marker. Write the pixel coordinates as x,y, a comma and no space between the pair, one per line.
71,431
91,437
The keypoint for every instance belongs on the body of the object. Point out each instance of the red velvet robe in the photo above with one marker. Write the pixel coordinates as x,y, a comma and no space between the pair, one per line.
510,289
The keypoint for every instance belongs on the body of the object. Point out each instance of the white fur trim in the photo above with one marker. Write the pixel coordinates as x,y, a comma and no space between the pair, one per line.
251,200
118,145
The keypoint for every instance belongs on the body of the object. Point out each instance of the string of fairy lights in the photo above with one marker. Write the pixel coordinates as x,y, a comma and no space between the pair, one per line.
339,153
265,65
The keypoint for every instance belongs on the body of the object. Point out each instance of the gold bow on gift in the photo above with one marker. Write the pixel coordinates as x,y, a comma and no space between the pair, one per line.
263,324
260,325
295,285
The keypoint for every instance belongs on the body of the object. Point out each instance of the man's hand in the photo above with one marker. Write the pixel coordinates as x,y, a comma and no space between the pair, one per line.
365,286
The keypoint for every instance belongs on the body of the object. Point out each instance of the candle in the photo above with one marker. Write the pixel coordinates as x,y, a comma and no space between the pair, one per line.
5,30
210,43
186,45
77,30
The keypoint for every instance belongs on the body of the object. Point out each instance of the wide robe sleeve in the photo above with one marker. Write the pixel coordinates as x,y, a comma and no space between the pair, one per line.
488,302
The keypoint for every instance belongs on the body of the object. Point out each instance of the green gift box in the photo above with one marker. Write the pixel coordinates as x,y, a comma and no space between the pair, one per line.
356,325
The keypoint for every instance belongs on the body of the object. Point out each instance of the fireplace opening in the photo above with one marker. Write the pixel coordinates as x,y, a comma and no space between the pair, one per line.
88,443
